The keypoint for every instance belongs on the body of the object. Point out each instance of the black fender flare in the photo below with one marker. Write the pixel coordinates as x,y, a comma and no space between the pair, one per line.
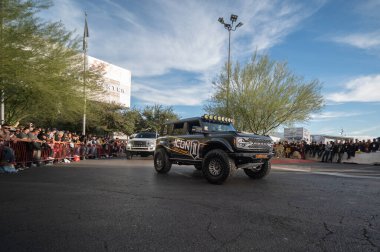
221,141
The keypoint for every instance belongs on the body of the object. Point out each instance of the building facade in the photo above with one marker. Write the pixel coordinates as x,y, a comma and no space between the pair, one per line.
328,138
117,83
297,134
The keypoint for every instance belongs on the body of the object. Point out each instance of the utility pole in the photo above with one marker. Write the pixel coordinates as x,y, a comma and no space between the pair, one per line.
2,106
229,27
85,62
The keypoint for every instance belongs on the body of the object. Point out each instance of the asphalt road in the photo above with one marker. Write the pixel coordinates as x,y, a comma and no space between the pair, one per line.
123,205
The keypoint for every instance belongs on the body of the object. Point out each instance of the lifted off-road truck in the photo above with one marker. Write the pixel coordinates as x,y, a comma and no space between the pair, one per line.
212,145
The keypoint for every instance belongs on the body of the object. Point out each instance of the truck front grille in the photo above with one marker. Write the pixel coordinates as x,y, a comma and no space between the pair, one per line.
139,144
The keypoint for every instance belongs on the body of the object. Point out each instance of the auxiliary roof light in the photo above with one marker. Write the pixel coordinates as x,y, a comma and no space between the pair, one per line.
218,118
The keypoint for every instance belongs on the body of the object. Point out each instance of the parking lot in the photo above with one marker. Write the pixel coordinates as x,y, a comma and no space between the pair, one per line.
124,205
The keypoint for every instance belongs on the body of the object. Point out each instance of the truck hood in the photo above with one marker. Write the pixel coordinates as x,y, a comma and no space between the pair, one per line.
143,139
249,135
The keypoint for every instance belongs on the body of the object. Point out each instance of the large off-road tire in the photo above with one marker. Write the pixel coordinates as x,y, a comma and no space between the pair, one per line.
128,155
218,166
259,172
198,167
162,163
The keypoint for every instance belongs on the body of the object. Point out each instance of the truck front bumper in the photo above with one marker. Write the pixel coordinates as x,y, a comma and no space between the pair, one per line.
250,155
141,149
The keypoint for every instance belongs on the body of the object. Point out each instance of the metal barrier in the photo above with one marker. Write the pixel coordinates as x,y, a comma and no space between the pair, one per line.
26,152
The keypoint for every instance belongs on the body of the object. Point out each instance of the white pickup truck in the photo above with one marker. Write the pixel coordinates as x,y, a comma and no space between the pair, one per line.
143,144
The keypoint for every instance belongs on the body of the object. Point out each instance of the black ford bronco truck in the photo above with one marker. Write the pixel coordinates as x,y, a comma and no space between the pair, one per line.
212,145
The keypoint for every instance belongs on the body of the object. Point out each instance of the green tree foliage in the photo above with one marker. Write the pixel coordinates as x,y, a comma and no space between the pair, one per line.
105,118
265,94
154,117
41,70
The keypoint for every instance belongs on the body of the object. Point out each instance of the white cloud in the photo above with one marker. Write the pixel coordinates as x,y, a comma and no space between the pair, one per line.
361,89
360,40
364,131
330,115
368,9
169,95
332,131
270,22
156,38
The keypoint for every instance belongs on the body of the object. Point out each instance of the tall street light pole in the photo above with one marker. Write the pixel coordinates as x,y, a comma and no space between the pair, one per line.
85,36
229,27
2,109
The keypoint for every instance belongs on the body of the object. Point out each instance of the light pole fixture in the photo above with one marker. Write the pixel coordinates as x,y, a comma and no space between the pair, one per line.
85,67
229,27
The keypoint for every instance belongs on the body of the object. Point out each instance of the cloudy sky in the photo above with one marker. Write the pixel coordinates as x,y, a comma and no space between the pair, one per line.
176,48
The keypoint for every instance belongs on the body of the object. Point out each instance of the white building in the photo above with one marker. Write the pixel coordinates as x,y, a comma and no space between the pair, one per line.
323,138
297,134
117,82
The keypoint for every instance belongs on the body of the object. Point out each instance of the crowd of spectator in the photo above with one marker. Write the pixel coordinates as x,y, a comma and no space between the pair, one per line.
329,152
38,139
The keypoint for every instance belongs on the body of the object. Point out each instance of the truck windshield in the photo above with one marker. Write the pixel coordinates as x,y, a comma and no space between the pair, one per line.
146,135
218,127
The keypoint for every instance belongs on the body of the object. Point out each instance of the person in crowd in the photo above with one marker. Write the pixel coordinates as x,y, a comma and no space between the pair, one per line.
314,149
374,145
367,146
351,149
342,148
24,134
321,149
59,136
35,145
7,154
327,152
334,151
279,150
288,150
358,145
91,148
52,134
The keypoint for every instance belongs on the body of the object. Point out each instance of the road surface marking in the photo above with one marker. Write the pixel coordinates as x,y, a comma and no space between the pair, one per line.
337,174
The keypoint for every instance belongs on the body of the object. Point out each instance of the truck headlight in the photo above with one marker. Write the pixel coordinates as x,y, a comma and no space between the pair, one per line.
243,142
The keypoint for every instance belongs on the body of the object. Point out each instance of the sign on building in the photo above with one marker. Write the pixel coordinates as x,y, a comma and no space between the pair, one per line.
117,83
297,134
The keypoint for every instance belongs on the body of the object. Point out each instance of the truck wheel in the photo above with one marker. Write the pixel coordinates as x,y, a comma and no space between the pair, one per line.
162,163
198,167
128,154
260,172
217,166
